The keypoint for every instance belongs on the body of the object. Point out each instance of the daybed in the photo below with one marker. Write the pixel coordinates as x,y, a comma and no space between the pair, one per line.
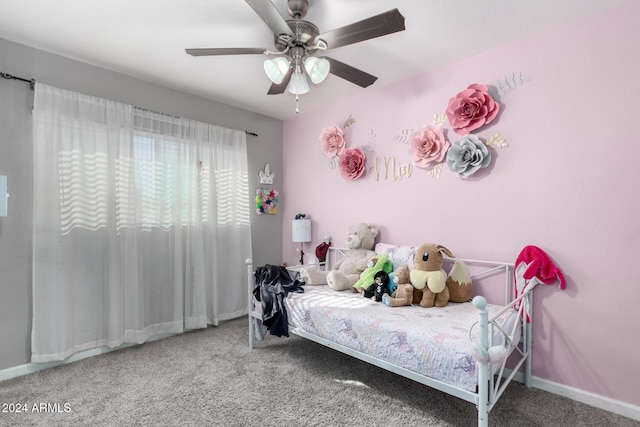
452,349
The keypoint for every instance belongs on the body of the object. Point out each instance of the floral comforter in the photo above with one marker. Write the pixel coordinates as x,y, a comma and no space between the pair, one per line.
430,341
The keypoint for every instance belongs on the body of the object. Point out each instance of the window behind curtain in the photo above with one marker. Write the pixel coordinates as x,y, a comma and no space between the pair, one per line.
163,173
104,171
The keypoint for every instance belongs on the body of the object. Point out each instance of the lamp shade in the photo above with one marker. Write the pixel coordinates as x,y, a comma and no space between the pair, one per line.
298,84
277,68
301,230
317,68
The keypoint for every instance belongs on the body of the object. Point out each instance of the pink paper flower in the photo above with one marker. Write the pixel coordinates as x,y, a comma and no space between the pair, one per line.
352,164
429,146
332,141
471,109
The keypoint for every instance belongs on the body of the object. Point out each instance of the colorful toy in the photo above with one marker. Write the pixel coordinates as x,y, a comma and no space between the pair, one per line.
403,295
430,280
379,287
374,265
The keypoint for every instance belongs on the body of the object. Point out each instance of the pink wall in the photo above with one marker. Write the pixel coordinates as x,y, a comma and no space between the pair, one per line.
568,182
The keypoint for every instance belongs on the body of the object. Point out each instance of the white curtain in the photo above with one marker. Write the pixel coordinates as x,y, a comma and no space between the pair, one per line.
141,224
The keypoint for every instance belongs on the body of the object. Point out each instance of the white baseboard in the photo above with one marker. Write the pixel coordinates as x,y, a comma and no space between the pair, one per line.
29,368
588,398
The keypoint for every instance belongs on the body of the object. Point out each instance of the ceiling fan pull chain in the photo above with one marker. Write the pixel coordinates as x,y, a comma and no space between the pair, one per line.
297,109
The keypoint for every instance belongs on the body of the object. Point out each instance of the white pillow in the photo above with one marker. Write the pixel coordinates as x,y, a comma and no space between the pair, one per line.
398,255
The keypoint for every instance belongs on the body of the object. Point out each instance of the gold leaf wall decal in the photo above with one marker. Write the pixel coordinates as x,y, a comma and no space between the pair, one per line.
496,141
439,120
435,171
349,122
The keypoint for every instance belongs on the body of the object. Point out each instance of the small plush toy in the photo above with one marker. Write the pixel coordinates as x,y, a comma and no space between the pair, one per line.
428,276
403,295
494,355
392,284
322,249
379,287
376,263
346,272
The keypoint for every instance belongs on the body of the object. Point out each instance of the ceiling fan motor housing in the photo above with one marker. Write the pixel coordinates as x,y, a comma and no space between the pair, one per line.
298,8
304,33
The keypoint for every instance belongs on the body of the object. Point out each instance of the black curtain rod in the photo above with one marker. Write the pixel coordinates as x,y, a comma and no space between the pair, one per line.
178,117
31,82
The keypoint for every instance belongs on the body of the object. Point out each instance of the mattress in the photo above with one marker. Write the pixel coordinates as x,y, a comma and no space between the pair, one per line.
434,342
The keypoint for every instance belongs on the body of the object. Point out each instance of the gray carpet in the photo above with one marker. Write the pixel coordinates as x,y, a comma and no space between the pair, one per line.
209,378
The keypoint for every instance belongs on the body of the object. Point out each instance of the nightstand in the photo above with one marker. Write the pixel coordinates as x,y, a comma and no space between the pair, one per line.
294,270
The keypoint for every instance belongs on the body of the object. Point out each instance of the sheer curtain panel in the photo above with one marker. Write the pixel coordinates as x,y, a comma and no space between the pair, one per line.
141,224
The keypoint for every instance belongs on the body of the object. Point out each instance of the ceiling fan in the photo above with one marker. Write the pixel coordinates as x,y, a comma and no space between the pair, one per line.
297,42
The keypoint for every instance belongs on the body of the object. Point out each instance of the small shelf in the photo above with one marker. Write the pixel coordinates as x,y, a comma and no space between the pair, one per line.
295,270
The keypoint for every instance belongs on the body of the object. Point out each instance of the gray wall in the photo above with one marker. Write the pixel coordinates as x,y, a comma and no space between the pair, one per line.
16,102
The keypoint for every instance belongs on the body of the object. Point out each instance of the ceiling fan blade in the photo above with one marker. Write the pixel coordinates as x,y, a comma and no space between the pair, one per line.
226,51
350,73
277,89
270,15
379,25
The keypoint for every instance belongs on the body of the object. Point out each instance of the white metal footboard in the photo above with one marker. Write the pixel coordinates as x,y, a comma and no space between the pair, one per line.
492,380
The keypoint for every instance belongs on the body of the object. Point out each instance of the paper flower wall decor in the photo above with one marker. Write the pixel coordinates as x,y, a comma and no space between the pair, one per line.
428,146
266,200
507,84
404,136
332,141
350,161
467,111
471,109
468,155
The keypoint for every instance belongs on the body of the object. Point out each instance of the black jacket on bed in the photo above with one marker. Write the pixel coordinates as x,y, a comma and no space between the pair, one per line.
273,284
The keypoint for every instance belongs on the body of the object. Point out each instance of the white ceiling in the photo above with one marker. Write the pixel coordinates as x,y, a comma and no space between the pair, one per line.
147,38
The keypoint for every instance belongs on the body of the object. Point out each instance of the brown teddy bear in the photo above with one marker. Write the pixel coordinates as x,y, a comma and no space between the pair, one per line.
404,292
346,272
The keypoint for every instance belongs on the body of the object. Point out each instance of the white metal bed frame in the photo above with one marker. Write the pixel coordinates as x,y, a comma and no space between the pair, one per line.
490,387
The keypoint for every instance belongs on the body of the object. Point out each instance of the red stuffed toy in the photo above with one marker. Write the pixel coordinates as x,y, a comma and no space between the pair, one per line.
540,265
534,262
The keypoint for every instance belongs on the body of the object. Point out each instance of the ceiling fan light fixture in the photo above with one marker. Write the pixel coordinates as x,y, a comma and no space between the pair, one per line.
298,84
317,68
277,68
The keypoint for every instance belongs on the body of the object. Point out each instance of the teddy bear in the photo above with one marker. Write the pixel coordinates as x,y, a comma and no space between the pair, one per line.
428,277
346,272
378,262
403,294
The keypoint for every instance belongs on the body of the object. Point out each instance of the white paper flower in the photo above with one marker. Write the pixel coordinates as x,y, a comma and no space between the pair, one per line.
468,155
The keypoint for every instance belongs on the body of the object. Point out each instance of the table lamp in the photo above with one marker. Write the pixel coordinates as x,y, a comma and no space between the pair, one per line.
301,233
